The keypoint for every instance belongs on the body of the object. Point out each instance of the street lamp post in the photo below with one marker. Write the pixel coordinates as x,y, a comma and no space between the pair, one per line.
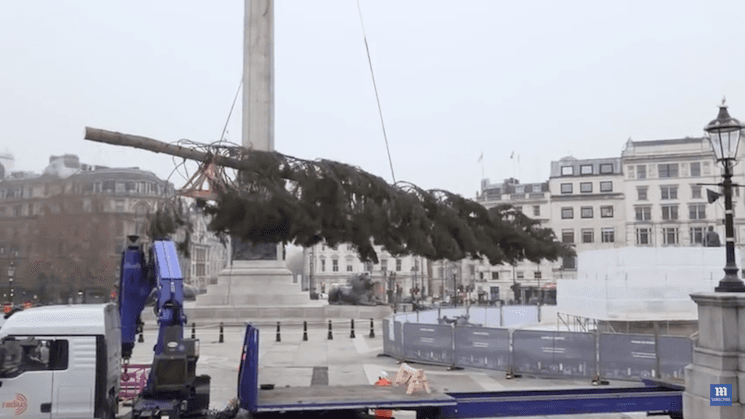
11,274
724,135
455,286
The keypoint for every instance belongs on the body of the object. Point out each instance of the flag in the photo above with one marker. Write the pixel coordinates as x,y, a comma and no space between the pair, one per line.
481,157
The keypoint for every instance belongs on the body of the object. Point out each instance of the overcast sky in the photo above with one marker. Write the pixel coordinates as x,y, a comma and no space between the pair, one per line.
544,79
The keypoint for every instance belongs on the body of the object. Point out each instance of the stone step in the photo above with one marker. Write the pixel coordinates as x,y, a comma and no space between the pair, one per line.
245,299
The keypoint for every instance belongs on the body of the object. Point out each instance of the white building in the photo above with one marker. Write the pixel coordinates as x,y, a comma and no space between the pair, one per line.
666,202
587,206
334,265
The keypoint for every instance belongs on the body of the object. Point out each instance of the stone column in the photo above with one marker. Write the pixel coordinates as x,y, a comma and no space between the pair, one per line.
718,356
257,275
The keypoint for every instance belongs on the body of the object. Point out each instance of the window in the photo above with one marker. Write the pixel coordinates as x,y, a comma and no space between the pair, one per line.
695,191
668,170
669,192
398,265
606,186
588,235
520,189
697,235
696,169
669,212
495,275
567,170
641,193
200,262
643,236
697,211
567,213
536,210
607,234
537,275
520,275
606,211
368,267
567,236
335,265
585,169
349,247
119,205
350,268
585,187
569,262
670,235
566,188
641,171
37,355
323,265
586,212
643,213
606,168
384,265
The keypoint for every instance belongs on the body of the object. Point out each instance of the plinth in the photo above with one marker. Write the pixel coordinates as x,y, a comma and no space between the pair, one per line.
256,276
718,356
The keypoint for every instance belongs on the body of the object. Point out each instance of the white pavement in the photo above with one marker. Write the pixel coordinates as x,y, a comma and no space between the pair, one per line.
349,362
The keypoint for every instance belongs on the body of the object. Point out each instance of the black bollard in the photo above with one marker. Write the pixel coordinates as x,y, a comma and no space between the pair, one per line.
193,330
351,334
331,335
222,339
305,331
279,339
372,328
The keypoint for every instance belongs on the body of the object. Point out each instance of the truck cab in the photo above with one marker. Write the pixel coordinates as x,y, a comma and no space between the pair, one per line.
61,362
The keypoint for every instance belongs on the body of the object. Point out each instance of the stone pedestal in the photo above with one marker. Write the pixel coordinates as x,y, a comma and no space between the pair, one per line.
718,356
256,283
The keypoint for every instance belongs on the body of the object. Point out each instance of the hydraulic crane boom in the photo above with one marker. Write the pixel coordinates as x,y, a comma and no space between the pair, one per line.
172,379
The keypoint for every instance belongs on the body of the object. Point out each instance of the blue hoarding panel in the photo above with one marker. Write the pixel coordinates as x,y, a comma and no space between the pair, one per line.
627,356
554,353
428,342
482,347
676,353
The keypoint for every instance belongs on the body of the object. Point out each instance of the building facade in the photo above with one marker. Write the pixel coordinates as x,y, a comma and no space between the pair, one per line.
395,277
665,196
587,207
64,229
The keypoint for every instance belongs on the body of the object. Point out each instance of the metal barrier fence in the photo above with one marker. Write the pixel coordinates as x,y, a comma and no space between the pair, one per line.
551,353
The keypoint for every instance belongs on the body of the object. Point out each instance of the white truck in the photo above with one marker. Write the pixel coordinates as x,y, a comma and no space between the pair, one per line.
61,362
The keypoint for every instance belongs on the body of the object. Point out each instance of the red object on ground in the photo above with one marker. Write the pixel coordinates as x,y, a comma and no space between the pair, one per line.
383,413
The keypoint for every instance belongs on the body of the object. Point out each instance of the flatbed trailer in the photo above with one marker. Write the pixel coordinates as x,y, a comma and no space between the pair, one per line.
654,397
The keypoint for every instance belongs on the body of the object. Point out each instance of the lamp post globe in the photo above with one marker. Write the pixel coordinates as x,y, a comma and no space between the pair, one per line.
724,135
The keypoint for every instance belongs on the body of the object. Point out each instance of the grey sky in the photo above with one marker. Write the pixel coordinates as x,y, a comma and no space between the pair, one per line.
541,78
